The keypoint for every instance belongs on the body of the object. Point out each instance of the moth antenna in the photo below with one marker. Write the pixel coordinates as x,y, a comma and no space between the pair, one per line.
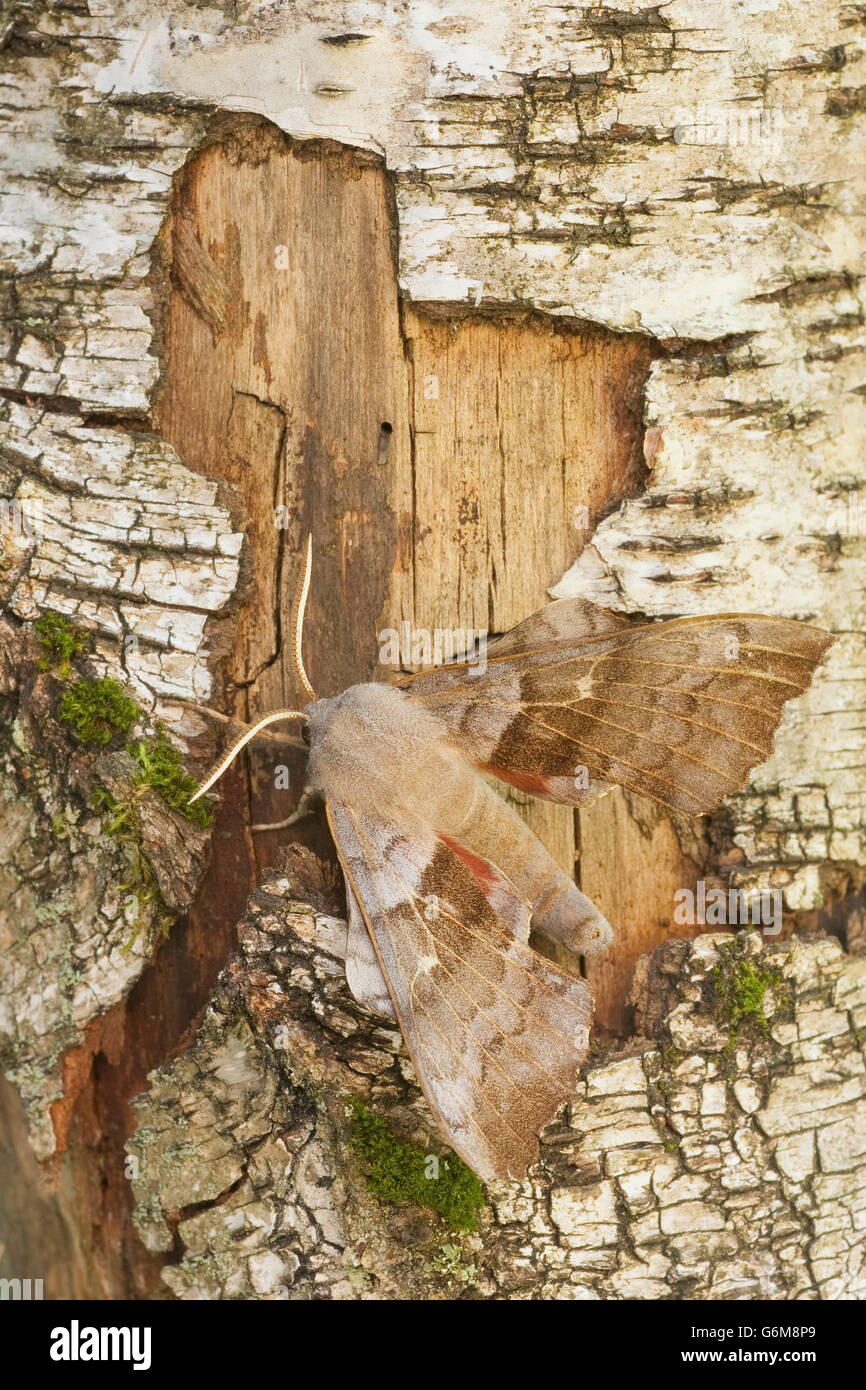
217,714
298,623
227,760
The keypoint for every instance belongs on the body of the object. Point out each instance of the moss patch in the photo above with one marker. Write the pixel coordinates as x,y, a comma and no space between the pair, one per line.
161,768
142,882
398,1172
742,992
98,711
61,643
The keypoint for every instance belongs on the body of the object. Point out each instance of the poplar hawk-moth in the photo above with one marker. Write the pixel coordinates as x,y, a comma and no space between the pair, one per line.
443,878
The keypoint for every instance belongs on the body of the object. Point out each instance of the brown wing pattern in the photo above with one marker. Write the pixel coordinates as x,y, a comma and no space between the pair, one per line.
678,711
494,1030
565,620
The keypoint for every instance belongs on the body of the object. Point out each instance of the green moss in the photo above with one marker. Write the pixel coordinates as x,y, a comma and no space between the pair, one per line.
102,800
142,883
97,710
143,886
670,1056
741,989
160,767
397,1172
61,643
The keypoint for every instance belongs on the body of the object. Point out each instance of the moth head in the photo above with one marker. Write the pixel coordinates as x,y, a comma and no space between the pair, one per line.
371,743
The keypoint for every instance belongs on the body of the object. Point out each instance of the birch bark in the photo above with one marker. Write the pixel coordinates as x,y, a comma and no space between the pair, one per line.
663,199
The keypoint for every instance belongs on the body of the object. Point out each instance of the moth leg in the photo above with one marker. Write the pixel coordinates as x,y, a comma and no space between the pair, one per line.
306,806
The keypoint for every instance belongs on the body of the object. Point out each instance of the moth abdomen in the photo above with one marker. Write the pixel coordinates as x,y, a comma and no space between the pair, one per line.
560,912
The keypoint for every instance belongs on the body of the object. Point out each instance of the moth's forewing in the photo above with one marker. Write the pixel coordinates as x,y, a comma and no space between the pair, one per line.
363,971
500,892
495,1031
565,620
679,711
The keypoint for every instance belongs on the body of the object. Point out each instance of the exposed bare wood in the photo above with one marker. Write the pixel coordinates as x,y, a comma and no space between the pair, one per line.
631,864
525,431
449,467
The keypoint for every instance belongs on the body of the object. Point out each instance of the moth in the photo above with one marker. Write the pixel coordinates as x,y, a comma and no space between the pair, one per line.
444,880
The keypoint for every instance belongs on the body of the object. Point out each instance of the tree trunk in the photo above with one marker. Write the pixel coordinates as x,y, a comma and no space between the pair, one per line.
562,303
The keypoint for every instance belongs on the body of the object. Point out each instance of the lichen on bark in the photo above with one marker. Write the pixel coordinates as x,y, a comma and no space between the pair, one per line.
84,897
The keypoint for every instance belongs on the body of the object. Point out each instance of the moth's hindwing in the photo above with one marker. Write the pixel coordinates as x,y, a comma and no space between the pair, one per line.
495,1031
678,711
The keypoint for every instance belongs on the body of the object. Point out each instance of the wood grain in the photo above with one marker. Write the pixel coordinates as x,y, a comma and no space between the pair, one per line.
450,465
526,431
630,863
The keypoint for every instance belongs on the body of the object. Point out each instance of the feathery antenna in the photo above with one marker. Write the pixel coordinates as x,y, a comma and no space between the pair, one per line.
254,730
298,623
228,758
281,739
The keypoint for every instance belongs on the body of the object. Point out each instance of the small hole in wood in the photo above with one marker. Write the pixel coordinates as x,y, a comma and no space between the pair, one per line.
386,429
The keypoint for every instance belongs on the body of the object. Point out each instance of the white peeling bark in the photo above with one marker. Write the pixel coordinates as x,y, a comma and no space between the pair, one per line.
701,1162
690,171
131,543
